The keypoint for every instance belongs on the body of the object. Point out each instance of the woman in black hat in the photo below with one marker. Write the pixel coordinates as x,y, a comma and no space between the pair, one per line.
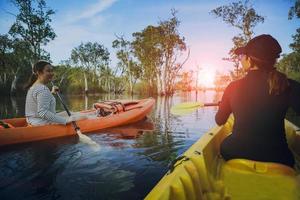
259,102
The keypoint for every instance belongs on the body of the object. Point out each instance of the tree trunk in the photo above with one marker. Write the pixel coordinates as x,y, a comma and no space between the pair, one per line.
108,86
85,84
86,99
13,87
163,77
158,80
130,85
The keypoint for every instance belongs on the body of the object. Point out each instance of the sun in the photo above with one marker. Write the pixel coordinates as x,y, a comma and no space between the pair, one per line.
206,78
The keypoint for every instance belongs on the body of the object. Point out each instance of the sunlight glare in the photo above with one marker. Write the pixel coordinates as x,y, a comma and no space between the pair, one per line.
206,77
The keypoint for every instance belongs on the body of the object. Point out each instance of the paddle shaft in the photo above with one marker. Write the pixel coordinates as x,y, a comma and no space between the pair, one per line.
211,104
67,110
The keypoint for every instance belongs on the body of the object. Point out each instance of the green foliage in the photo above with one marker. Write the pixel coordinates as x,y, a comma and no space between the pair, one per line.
15,65
92,58
172,45
69,79
143,87
185,82
150,59
242,16
23,46
290,65
90,55
107,79
146,49
157,48
295,10
129,66
291,62
32,26
296,43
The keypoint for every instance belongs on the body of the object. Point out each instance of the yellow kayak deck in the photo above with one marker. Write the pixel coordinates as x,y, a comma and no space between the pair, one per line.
202,174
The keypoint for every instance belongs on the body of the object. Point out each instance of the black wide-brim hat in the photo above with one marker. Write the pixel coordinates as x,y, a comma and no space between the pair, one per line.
263,47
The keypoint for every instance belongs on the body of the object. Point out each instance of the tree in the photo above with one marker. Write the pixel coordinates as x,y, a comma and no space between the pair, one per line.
126,61
106,78
295,12
32,25
92,57
6,68
14,64
158,49
145,49
221,81
242,16
185,82
290,63
23,46
296,43
172,45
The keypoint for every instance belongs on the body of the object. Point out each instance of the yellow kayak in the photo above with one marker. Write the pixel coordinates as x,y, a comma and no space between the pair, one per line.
201,173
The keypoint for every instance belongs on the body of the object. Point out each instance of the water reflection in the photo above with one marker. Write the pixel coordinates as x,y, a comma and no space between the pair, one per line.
30,171
131,161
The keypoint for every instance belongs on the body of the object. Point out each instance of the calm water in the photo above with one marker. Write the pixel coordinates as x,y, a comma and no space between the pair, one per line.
130,162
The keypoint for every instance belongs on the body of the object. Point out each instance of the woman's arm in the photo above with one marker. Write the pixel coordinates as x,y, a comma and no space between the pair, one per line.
224,108
44,111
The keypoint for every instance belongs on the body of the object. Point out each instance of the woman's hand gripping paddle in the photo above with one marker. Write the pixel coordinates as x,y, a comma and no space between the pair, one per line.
83,138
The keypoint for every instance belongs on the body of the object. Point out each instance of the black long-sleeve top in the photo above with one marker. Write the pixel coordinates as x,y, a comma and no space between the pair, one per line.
258,117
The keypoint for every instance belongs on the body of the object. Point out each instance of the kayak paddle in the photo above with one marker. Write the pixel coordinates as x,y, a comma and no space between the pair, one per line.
83,138
189,107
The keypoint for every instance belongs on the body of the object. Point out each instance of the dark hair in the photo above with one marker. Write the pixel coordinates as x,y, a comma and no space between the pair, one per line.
278,82
37,67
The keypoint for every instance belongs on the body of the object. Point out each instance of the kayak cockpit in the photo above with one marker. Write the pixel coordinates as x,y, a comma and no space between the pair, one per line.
247,180
204,174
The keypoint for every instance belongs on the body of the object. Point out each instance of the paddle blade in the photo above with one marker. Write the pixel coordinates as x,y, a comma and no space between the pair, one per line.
185,108
85,139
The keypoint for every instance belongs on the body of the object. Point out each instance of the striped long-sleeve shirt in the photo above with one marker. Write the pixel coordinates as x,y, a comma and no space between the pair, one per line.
40,107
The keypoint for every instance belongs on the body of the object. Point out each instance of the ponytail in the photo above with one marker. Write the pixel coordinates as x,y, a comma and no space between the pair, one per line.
278,82
30,82
38,67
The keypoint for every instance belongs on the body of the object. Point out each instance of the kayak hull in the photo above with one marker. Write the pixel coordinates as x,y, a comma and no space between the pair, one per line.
201,173
23,133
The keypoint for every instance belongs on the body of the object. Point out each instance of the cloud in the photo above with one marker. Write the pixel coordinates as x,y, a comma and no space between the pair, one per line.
87,25
92,11
69,37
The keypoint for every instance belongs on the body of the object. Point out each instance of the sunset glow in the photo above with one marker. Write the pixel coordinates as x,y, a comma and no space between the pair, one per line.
206,78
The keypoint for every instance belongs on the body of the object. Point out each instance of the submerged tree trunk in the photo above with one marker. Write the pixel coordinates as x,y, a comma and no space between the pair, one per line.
158,80
109,85
86,100
85,84
131,84
163,77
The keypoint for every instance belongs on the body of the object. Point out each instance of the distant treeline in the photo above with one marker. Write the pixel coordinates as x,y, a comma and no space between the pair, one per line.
147,63
151,62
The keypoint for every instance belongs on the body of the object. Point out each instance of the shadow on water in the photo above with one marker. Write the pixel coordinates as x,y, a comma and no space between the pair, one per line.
131,159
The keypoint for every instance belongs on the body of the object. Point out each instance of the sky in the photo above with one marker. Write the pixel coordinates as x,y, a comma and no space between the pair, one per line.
207,37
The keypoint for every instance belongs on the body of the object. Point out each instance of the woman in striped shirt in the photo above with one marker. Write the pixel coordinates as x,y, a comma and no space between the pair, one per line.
40,103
